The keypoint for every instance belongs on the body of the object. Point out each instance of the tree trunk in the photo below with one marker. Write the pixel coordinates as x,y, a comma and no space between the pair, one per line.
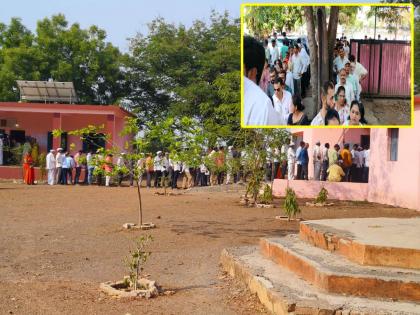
323,38
332,34
140,208
313,47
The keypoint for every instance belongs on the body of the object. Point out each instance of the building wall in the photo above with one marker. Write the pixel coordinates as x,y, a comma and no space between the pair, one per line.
396,182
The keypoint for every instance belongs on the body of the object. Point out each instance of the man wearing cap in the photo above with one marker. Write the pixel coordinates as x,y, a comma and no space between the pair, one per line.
58,165
317,158
50,166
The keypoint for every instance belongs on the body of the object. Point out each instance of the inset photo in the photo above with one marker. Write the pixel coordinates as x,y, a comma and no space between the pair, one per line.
327,66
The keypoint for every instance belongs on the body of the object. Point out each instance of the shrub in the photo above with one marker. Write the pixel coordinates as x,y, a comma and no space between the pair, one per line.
138,258
322,196
291,206
267,196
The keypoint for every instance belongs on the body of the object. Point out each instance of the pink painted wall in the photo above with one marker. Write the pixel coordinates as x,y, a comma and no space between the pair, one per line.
310,189
396,182
38,125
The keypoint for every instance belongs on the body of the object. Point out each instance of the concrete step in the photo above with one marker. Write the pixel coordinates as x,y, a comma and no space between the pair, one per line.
282,292
335,274
369,241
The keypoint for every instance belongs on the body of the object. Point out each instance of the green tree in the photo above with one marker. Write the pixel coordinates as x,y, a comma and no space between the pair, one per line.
64,53
195,71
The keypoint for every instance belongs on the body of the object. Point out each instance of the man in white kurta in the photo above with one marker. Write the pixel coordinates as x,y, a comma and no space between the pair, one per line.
50,166
291,156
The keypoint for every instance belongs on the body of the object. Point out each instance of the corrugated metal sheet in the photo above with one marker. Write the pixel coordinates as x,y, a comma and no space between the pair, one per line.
388,63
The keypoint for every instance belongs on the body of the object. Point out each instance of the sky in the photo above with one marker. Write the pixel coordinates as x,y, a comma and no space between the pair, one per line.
121,19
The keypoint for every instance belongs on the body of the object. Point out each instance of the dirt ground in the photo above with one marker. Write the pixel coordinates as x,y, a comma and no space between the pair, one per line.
58,243
387,111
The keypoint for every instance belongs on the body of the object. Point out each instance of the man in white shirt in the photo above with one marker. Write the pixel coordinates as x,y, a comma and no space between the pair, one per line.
366,168
157,167
340,61
359,72
350,97
258,108
297,71
305,74
325,162
50,167
291,157
58,165
274,52
327,102
317,158
282,100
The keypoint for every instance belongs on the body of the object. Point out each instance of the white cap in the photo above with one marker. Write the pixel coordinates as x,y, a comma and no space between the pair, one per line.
52,150
58,149
292,143
158,152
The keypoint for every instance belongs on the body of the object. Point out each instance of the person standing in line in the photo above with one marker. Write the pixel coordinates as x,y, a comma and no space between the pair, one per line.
220,165
327,101
149,170
282,100
78,167
274,52
317,160
50,167
366,168
297,70
299,160
58,166
157,168
341,105
71,168
353,170
333,155
258,108
325,162
120,167
347,161
187,180
276,163
66,165
303,157
90,167
291,156
108,167
28,168
229,166
177,170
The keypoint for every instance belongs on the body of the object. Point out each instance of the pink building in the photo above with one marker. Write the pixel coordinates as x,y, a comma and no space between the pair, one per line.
37,120
394,173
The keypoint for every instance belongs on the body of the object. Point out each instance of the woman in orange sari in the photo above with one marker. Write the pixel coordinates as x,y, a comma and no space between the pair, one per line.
28,169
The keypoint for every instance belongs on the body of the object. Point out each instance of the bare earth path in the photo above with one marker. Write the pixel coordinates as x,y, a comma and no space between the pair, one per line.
58,243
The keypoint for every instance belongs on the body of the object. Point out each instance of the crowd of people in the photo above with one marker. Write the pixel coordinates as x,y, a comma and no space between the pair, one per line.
277,78
64,168
217,167
334,164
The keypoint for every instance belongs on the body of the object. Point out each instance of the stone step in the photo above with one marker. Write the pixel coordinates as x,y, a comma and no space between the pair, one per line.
369,241
335,274
282,292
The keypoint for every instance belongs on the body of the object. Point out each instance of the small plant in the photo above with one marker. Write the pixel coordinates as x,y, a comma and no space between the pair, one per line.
267,196
138,258
42,164
291,206
322,196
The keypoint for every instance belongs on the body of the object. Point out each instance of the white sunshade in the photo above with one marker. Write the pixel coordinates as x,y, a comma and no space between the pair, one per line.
47,91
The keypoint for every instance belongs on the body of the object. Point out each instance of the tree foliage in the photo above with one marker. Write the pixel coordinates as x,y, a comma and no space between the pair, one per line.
262,20
194,72
62,52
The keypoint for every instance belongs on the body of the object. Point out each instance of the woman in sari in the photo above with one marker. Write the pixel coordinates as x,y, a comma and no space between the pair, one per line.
28,169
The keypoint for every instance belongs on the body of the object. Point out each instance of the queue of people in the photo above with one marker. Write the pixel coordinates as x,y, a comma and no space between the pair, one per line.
276,80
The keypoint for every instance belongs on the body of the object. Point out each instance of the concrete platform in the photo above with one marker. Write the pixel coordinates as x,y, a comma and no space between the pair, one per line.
282,292
368,241
335,274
